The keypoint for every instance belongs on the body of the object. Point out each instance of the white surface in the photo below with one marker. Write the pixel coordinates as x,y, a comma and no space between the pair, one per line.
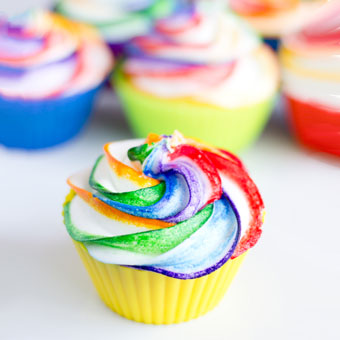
287,288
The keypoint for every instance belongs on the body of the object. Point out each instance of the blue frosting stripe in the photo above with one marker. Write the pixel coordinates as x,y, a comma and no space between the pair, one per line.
190,260
170,204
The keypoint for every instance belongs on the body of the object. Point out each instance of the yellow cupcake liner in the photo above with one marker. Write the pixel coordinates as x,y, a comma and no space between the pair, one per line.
153,298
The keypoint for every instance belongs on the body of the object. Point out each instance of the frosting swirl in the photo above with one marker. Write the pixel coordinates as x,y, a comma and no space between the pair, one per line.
275,17
202,53
171,205
310,59
43,55
117,20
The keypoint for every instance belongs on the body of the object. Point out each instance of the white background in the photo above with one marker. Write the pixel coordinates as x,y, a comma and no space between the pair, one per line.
287,288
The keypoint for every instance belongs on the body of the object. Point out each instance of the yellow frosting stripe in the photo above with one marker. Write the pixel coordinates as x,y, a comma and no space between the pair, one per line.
287,58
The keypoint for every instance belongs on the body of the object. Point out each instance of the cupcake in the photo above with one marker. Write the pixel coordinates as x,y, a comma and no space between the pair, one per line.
274,18
202,71
118,20
162,225
50,72
311,80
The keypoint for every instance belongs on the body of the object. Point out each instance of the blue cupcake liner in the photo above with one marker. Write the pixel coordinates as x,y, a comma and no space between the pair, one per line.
34,124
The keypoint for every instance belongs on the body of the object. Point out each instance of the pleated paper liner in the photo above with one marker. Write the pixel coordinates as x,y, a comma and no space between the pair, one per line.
232,129
315,126
153,298
40,123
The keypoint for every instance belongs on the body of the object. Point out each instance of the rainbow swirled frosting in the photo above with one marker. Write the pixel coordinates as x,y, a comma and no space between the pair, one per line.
310,59
203,53
43,55
116,20
169,204
273,18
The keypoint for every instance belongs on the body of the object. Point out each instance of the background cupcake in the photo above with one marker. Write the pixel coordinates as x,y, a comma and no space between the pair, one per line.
274,18
202,71
118,20
50,71
311,80
158,225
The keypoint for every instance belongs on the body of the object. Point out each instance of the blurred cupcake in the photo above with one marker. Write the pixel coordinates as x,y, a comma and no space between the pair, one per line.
311,80
50,72
202,71
274,18
117,20
162,225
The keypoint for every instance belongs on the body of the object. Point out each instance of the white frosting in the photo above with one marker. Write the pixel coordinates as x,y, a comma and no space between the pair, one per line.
240,201
95,223
110,180
97,62
312,90
46,80
71,59
227,36
93,11
254,79
311,59
100,11
284,22
117,20
137,25
119,150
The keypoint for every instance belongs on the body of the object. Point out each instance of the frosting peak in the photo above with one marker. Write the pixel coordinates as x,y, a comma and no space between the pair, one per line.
184,213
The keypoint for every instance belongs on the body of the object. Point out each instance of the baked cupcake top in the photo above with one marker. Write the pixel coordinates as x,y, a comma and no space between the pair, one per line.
310,59
205,54
43,55
169,204
273,18
117,20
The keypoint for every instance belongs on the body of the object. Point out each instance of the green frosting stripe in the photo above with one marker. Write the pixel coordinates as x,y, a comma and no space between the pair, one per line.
92,180
140,153
158,9
74,232
142,198
153,242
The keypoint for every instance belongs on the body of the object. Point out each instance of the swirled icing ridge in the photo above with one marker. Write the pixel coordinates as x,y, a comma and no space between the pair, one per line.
43,55
310,59
205,54
201,210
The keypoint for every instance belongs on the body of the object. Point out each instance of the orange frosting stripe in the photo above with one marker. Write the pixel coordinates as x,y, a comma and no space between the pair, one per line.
115,214
152,138
123,170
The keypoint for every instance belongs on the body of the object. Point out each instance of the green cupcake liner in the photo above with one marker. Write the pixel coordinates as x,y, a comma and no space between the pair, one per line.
232,129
